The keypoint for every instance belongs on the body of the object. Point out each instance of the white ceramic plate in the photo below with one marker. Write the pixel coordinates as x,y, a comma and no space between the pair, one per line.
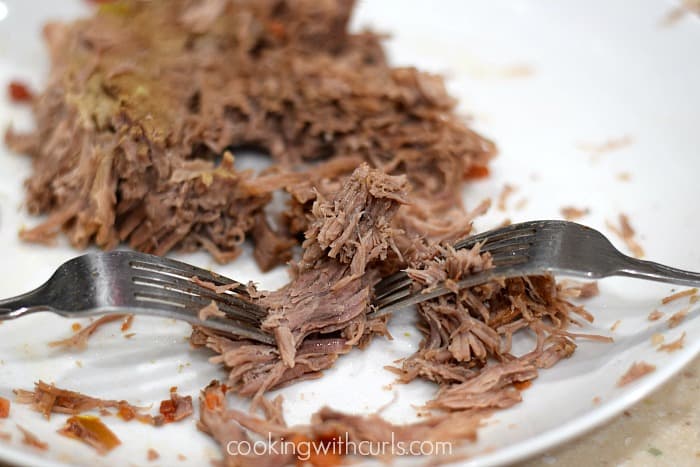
547,80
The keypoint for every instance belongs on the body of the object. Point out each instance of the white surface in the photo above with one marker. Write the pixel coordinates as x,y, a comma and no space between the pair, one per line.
600,70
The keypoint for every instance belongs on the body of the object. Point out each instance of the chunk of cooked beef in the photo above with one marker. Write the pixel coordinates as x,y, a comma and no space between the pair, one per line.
139,110
176,408
348,234
272,248
491,388
355,226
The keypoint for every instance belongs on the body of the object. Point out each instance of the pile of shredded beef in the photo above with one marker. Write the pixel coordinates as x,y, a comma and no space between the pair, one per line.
145,105
145,98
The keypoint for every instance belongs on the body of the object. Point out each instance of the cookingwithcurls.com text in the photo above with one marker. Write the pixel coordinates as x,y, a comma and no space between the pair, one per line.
340,445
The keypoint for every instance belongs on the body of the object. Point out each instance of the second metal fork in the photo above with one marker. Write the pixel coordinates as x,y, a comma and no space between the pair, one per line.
532,248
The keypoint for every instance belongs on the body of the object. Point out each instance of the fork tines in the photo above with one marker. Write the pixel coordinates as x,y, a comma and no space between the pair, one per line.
170,281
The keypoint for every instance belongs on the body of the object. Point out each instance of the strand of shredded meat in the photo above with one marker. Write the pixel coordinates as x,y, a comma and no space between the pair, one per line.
47,398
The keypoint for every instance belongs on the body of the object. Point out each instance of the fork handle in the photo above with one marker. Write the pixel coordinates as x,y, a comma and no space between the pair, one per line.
15,307
650,270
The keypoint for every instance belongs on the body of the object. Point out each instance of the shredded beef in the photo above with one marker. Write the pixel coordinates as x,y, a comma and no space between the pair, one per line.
468,333
47,399
176,408
321,313
271,247
134,140
139,111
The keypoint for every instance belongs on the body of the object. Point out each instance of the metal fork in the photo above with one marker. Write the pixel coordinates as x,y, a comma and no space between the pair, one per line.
129,282
536,247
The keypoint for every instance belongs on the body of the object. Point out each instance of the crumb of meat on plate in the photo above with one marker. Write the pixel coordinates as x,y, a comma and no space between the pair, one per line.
678,317
636,371
507,191
613,144
30,439
674,345
575,289
19,92
678,295
655,315
127,323
627,234
152,455
571,213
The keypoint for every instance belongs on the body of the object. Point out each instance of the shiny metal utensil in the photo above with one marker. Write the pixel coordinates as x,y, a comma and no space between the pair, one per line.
536,247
